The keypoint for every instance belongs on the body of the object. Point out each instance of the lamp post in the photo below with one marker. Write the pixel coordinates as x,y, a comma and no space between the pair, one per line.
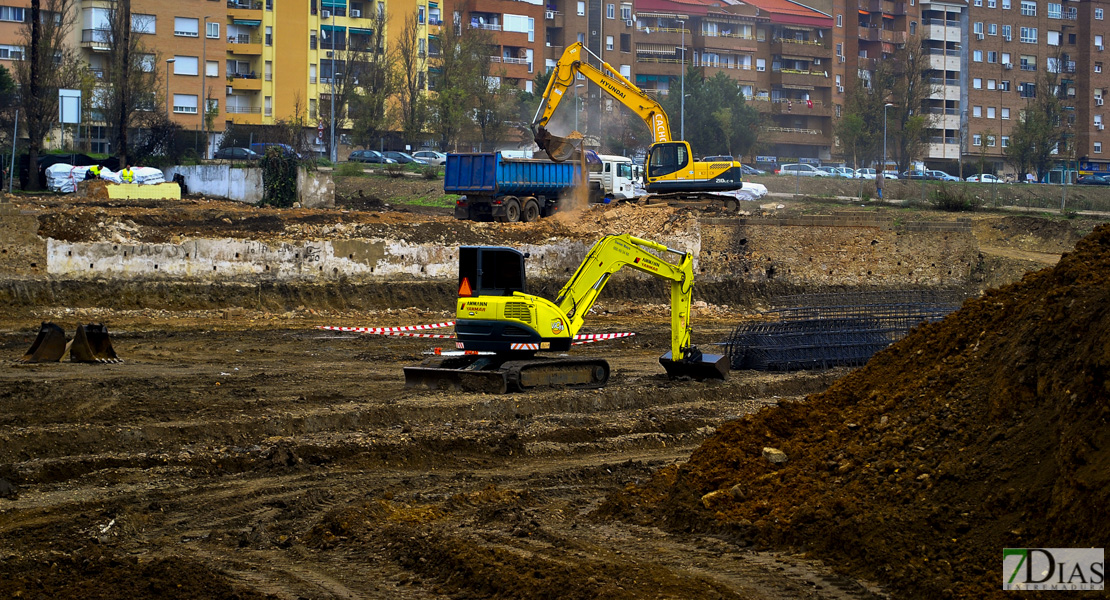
577,97
682,84
203,77
169,61
886,106
331,140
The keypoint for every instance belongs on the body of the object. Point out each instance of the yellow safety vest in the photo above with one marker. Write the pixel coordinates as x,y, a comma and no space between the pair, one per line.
95,169
127,176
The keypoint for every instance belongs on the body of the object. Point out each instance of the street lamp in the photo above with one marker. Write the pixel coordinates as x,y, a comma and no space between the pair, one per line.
203,77
886,106
682,80
169,61
331,140
576,99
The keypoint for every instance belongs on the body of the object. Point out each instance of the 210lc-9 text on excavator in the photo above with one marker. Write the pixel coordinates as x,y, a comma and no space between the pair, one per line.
500,328
670,166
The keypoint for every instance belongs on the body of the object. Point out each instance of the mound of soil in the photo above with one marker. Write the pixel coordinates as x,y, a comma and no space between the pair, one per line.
988,430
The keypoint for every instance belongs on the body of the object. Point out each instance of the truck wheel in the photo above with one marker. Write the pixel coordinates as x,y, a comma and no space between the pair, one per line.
512,210
531,210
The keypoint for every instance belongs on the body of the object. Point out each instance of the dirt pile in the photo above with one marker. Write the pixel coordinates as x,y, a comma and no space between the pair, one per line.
985,431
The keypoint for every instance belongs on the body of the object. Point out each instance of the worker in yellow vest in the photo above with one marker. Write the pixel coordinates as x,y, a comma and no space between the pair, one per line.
93,173
126,175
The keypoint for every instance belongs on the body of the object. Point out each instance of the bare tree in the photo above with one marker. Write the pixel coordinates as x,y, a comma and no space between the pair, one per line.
462,69
48,66
411,65
905,81
494,108
127,94
372,69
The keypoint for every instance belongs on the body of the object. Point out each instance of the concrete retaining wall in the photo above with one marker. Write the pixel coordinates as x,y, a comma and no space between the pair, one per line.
221,181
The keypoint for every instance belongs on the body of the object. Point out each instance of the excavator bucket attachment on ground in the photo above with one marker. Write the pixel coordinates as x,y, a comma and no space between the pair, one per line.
559,149
92,344
49,346
697,366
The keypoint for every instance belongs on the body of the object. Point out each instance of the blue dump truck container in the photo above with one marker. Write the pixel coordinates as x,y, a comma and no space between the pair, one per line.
507,189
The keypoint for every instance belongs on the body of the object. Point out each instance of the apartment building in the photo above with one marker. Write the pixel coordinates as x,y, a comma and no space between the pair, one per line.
942,28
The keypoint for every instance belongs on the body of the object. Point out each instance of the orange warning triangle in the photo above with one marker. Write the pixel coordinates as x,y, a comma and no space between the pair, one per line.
464,288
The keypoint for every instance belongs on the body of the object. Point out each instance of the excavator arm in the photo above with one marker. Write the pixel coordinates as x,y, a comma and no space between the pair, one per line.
562,79
614,252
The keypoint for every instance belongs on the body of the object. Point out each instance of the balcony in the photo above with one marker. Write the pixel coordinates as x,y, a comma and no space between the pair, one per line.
939,60
940,29
96,39
877,34
943,150
792,77
244,115
245,82
814,108
798,48
244,44
794,135
663,35
247,10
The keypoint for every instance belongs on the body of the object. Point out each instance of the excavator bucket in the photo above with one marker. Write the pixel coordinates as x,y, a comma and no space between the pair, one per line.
92,344
49,346
559,149
696,366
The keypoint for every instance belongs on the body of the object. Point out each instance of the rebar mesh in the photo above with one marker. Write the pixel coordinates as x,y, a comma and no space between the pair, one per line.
821,331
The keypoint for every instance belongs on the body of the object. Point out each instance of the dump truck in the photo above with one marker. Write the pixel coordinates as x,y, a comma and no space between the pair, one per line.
493,186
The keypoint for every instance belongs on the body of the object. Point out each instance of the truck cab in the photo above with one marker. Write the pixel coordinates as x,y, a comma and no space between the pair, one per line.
614,175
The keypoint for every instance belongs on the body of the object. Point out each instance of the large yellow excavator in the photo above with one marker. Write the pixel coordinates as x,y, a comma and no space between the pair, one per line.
670,165
500,328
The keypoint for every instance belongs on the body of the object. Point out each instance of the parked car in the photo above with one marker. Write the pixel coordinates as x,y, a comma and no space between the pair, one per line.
986,178
1092,180
846,172
831,171
801,170
234,153
431,157
890,174
866,173
747,170
942,176
916,174
286,149
404,157
369,156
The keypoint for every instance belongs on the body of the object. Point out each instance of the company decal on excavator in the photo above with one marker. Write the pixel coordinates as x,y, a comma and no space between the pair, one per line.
556,326
647,263
474,307
621,249
613,89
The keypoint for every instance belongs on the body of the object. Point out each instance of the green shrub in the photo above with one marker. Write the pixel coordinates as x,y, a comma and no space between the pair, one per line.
429,171
279,178
350,169
953,199
395,170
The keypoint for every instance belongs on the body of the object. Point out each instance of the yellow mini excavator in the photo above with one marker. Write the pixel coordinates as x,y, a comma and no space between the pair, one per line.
500,328
670,166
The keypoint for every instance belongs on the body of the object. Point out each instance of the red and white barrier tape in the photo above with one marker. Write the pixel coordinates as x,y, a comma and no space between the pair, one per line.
599,337
405,331
388,330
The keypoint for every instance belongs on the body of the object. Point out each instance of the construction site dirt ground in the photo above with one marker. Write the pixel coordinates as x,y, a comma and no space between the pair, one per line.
240,453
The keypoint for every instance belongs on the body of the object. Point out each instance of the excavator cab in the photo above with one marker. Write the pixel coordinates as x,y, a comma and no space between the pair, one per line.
667,157
490,271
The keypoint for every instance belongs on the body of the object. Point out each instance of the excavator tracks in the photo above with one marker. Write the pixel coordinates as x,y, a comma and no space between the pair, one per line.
474,373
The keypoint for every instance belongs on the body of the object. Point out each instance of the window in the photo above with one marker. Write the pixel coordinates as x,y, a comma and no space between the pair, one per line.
420,15
626,12
840,49
11,52
269,102
1053,38
185,65
626,71
1098,147
143,23
977,111
1098,42
978,27
212,31
626,42
1027,90
581,38
312,73
977,56
608,42
269,36
992,57
1029,35
977,140
211,68
992,3
1054,11
990,112
1098,14
12,13
990,141
1005,141
992,29
610,11
1029,8
1005,58
977,83
1004,85
978,2
1098,67
1006,33
581,9
1005,4
913,27
1005,113
185,103
186,27
146,63
213,105
991,84
761,64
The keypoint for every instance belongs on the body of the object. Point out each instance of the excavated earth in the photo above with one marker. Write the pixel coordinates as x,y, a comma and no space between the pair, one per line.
240,452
